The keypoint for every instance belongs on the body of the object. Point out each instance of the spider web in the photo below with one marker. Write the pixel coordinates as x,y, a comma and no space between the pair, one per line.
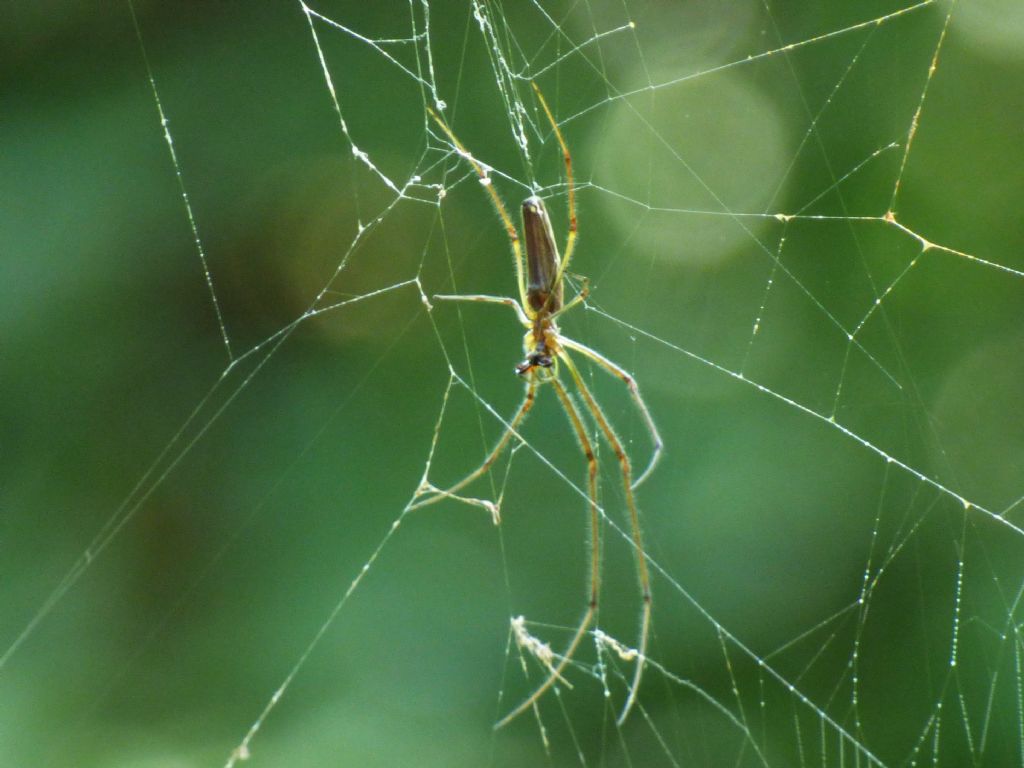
799,230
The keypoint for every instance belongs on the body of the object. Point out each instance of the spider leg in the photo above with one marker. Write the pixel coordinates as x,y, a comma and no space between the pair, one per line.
436,494
570,241
499,206
508,302
634,392
634,518
580,297
595,557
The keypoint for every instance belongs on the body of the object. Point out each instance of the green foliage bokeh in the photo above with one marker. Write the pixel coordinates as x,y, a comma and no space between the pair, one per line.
232,553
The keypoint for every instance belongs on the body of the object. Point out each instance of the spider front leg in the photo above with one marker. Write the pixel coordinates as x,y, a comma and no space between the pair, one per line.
435,494
636,534
594,591
634,392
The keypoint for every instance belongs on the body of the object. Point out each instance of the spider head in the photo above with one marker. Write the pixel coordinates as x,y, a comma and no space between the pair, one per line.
537,359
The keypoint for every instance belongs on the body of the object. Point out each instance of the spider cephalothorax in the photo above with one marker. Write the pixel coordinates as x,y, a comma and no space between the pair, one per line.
541,343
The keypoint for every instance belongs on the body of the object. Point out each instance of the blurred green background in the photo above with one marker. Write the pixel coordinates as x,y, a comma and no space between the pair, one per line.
199,519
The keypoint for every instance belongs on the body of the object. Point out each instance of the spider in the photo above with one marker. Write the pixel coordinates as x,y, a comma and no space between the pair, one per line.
541,303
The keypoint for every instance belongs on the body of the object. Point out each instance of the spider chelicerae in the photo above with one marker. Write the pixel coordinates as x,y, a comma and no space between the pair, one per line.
541,303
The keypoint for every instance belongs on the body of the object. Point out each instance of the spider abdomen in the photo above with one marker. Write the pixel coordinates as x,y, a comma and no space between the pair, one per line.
543,288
